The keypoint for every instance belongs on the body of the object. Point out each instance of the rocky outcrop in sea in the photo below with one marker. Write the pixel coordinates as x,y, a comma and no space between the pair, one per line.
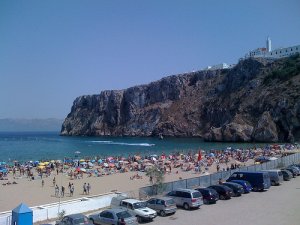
257,100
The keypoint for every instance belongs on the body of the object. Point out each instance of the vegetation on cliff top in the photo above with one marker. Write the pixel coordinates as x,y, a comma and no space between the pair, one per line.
287,69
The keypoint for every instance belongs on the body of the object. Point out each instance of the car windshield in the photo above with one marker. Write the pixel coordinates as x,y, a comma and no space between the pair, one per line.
80,220
196,194
123,214
170,202
139,205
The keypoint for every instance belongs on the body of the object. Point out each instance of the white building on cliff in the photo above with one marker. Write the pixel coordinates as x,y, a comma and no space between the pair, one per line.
267,52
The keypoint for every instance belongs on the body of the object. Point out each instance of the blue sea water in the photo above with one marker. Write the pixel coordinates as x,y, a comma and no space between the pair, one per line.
26,146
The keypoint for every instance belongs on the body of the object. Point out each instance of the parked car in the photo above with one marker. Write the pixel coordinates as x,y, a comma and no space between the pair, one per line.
74,219
292,170
223,191
245,184
258,180
188,198
210,196
162,205
135,207
237,189
287,175
296,169
116,216
276,176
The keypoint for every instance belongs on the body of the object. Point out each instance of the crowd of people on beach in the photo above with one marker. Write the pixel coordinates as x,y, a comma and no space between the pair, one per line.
198,161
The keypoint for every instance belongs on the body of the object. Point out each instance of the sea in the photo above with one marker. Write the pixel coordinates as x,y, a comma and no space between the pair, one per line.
32,146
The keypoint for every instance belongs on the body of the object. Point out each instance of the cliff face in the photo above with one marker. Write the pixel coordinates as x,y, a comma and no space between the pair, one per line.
255,101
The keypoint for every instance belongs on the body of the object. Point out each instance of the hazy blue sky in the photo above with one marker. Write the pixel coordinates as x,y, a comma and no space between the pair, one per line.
54,51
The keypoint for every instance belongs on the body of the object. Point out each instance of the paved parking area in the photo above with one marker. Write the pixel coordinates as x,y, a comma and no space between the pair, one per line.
279,205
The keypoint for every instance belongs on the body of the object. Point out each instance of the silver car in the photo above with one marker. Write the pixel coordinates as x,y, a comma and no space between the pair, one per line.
162,205
74,219
113,216
188,198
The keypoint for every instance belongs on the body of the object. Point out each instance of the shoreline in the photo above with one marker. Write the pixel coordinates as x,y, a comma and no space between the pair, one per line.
32,192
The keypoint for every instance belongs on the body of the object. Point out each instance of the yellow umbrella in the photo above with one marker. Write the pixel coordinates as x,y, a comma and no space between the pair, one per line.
46,163
41,167
42,164
52,161
81,160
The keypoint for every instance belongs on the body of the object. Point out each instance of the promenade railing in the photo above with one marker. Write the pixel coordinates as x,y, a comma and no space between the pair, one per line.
207,180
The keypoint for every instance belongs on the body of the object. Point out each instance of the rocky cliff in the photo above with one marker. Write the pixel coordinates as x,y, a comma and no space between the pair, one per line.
257,100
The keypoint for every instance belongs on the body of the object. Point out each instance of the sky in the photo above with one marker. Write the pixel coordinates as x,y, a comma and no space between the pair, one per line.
53,51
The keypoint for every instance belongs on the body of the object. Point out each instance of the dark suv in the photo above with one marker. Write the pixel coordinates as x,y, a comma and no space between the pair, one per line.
238,189
210,196
223,191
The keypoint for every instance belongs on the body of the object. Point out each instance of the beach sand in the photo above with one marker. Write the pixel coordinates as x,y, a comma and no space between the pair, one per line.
32,193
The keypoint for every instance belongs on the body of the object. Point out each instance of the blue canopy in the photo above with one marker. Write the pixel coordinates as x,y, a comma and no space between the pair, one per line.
22,208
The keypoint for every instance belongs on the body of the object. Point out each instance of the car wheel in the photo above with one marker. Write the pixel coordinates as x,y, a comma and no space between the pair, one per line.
139,219
254,189
162,213
222,197
205,201
273,183
186,206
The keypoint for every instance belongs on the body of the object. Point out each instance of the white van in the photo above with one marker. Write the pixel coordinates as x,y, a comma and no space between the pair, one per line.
276,176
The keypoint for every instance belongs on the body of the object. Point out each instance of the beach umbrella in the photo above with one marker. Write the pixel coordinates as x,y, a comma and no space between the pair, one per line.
66,167
46,163
41,167
82,169
90,164
100,161
105,164
78,169
42,164
77,152
81,160
83,163
93,161
111,165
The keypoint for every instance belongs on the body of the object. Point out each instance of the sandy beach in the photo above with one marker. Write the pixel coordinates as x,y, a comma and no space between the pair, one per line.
18,188
32,193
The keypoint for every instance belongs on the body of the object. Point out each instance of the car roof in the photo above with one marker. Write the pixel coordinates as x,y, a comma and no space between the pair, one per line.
231,183
115,210
76,215
185,189
162,198
131,200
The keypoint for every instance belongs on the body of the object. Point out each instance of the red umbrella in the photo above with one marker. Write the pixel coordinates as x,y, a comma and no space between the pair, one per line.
199,156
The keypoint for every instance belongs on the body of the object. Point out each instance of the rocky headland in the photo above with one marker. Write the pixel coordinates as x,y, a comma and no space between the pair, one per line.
257,100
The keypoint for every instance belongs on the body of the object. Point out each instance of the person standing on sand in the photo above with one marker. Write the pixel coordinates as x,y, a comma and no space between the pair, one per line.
71,190
54,182
88,188
43,183
56,191
84,188
62,191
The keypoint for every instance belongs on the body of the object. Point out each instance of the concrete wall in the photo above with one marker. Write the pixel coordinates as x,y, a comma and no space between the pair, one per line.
50,211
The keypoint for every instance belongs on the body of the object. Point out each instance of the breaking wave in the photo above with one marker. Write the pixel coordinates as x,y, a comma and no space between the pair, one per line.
123,143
